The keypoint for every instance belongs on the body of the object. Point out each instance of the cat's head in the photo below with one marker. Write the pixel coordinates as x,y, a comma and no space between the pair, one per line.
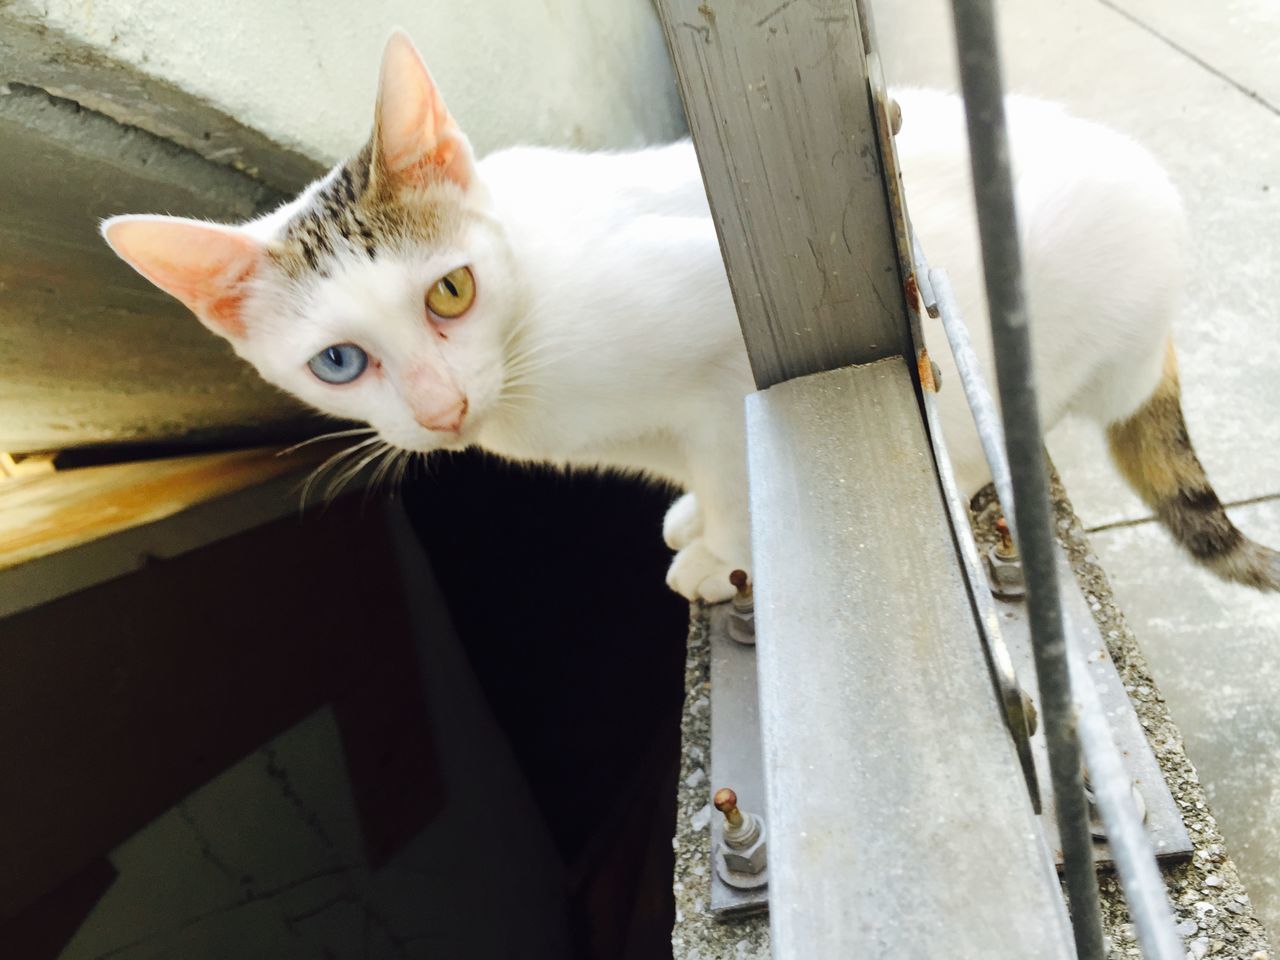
381,294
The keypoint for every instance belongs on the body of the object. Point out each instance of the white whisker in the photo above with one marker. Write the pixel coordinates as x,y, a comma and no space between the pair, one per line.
336,485
325,436
402,466
331,462
383,470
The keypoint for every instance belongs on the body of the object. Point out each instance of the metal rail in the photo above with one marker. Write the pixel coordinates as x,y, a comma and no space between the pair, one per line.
1131,849
981,82
1022,481
981,404
866,776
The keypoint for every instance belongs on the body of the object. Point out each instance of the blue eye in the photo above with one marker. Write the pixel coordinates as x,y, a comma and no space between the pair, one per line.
341,363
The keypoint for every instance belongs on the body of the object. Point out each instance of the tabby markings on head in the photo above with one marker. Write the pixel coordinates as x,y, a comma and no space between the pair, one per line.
354,213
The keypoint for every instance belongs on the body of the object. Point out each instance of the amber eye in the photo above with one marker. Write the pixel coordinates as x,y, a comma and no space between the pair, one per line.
451,295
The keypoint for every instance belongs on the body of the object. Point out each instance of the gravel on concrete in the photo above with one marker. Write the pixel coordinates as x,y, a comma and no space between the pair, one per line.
697,935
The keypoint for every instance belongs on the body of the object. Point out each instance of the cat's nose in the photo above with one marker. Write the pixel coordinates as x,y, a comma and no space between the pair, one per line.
446,420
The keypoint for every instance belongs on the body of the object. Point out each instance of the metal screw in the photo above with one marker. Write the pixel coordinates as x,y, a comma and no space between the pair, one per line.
726,801
742,619
1007,549
1007,579
742,856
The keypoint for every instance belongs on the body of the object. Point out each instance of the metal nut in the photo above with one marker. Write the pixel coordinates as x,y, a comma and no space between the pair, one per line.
751,859
1006,575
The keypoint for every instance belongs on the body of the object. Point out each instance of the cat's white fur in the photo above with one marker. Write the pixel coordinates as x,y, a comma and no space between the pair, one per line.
604,335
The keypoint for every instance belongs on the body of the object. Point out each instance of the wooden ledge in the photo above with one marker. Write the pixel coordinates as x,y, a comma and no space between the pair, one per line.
64,531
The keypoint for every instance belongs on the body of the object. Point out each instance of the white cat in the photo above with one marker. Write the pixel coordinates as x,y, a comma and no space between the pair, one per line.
573,308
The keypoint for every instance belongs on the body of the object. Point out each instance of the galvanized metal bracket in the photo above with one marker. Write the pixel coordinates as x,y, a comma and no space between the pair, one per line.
1164,824
735,752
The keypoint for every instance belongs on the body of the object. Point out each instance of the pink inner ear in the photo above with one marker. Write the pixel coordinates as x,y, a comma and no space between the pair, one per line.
207,267
417,135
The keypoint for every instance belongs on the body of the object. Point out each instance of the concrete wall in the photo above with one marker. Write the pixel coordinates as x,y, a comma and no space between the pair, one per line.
589,73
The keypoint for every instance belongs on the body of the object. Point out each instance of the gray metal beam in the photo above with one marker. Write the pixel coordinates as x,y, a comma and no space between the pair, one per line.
900,825
776,96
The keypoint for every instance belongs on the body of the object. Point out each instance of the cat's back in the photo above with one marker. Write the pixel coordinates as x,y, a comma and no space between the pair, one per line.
662,180
1061,163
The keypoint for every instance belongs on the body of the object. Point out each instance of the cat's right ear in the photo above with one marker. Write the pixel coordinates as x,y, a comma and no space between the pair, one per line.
415,138
206,266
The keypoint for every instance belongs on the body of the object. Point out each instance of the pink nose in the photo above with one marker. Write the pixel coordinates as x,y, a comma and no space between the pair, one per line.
446,420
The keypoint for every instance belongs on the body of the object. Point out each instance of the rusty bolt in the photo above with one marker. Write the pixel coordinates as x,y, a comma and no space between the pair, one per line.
1007,578
742,624
895,117
743,853
726,801
1007,550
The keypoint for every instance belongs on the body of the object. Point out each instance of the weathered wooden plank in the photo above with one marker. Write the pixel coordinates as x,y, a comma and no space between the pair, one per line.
62,532
899,821
776,95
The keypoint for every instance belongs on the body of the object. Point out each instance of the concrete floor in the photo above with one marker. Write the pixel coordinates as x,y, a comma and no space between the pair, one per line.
1197,84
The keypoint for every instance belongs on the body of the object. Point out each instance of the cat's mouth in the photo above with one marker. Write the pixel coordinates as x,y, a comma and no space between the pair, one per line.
431,440
455,441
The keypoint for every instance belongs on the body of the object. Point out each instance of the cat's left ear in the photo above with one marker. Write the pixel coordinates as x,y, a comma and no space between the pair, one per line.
415,139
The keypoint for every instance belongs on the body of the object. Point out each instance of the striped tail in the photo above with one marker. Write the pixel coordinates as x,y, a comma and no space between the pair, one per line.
1153,451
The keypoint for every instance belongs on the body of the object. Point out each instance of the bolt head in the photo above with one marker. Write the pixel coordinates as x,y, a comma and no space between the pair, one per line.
725,800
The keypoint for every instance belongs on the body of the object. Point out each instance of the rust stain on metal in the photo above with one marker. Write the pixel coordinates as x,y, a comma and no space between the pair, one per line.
726,801
1006,548
912,290
924,369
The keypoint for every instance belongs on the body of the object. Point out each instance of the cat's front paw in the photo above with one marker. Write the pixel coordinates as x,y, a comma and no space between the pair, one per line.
683,522
698,574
